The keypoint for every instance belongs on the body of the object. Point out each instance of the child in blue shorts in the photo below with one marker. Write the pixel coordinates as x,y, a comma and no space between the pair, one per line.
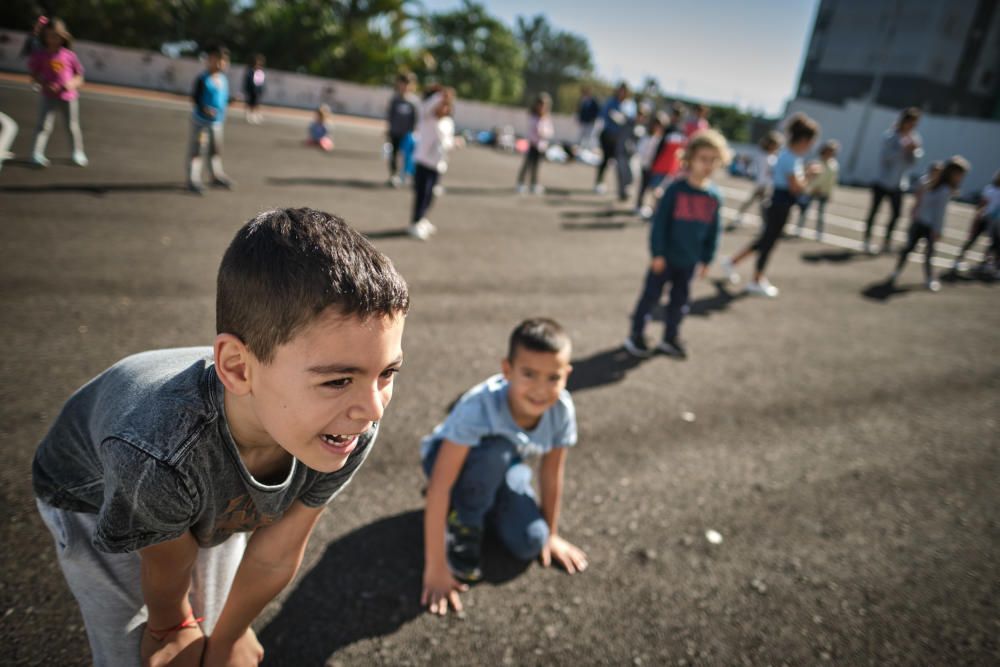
477,469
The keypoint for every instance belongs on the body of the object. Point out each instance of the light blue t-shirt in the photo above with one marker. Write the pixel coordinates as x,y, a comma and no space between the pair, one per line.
484,411
211,91
788,163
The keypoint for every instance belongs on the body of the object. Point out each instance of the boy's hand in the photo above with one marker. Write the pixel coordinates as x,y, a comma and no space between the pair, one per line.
703,271
570,557
440,589
244,652
658,265
180,649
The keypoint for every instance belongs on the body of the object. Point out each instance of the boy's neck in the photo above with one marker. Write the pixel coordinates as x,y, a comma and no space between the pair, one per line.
699,183
261,455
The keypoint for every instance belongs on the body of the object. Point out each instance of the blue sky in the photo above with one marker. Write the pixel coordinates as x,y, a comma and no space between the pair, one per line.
746,53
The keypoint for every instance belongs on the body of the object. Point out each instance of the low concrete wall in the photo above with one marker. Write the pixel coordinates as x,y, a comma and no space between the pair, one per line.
152,70
977,140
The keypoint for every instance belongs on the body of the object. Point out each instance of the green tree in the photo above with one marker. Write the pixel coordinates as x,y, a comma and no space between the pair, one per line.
553,58
475,53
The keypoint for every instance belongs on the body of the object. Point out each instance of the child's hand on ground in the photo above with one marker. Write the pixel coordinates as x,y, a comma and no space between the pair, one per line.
658,265
244,652
440,589
179,649
570,557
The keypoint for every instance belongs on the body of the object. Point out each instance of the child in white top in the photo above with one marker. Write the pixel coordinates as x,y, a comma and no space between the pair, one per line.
821,187
540,131
763,163
435,137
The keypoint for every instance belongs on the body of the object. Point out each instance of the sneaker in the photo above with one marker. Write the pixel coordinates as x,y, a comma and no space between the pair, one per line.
866,247
39,160
428,227
762,288
958,267
728,268
538,190
80,159
933,285
223,182
418,232
395,182
672,348
646,212
600,189
521,188
464,546
196,188
637,347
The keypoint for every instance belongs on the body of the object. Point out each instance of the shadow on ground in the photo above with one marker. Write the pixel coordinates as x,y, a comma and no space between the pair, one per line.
366,584
883,291
96,189
605,367
834,256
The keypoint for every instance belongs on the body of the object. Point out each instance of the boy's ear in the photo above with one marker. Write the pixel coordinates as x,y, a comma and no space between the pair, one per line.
232,363
505,367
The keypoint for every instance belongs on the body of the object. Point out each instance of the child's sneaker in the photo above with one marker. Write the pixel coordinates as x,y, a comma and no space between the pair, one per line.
646,212
223,182
600,189
427,226
728,268
196,188
538,190
762,288
933,285
521,188
39,160
80,159
672,348
866,247
464,549
395,182
637,346
418,232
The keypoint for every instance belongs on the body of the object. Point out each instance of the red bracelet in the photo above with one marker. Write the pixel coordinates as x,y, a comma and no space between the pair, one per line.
189,622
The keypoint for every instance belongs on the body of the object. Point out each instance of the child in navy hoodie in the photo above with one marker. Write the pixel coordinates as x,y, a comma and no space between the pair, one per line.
684,237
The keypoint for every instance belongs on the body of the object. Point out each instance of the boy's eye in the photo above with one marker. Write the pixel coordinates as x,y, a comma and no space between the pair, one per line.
339,383
389,372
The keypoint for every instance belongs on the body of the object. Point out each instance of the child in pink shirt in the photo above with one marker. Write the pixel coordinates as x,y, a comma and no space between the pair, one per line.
59,73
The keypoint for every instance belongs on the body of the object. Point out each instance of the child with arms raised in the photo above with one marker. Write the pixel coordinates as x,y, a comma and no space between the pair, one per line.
477,469
181,486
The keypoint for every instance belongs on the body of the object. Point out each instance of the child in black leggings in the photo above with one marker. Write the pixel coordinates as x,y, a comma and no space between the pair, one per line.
540,130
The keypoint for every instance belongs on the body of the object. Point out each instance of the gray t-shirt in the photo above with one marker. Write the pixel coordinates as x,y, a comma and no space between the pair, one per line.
895,160
933,203
146,447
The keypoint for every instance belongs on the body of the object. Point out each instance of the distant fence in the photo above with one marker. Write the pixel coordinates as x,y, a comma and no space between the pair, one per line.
155,71
977,140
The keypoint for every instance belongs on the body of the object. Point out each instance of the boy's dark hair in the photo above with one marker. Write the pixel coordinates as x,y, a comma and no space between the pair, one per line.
801,128
405,77
677,110
216,50
771,140
286,266
539,334
909,114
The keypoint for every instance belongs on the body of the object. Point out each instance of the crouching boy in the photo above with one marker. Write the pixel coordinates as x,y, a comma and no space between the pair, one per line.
181,485
476,461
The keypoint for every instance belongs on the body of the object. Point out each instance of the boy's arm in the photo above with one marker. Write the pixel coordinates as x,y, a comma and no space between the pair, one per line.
271,559
663,218
165,577
551,482
712,238
440,587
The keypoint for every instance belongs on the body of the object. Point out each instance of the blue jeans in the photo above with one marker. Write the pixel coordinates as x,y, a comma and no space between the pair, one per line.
679,278
495,487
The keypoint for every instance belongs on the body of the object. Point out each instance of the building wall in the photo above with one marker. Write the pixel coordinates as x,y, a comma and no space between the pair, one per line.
151,70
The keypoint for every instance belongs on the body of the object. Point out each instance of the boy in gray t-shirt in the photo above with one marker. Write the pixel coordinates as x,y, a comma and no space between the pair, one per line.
181,486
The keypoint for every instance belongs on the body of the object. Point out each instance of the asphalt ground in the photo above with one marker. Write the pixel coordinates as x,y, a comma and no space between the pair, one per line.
842,439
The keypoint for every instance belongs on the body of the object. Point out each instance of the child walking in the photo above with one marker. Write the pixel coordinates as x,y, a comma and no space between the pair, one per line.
763,166
253,89
319,133
901,148
181,486
540,131
401,118
929,216
435,137
986,218
58,72
684,237
479,475
790,181
211,98
821,187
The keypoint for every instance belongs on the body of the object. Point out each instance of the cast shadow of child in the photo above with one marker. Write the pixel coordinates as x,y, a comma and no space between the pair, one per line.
366,584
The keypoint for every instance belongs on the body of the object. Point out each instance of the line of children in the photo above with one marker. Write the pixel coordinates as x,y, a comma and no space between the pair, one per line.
684,237
254,85
401,119
821,188
900,149
476,462
763,170
59,74
319,132
790,181
928,216
986,221
181,486
210,96
540,131
435,138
